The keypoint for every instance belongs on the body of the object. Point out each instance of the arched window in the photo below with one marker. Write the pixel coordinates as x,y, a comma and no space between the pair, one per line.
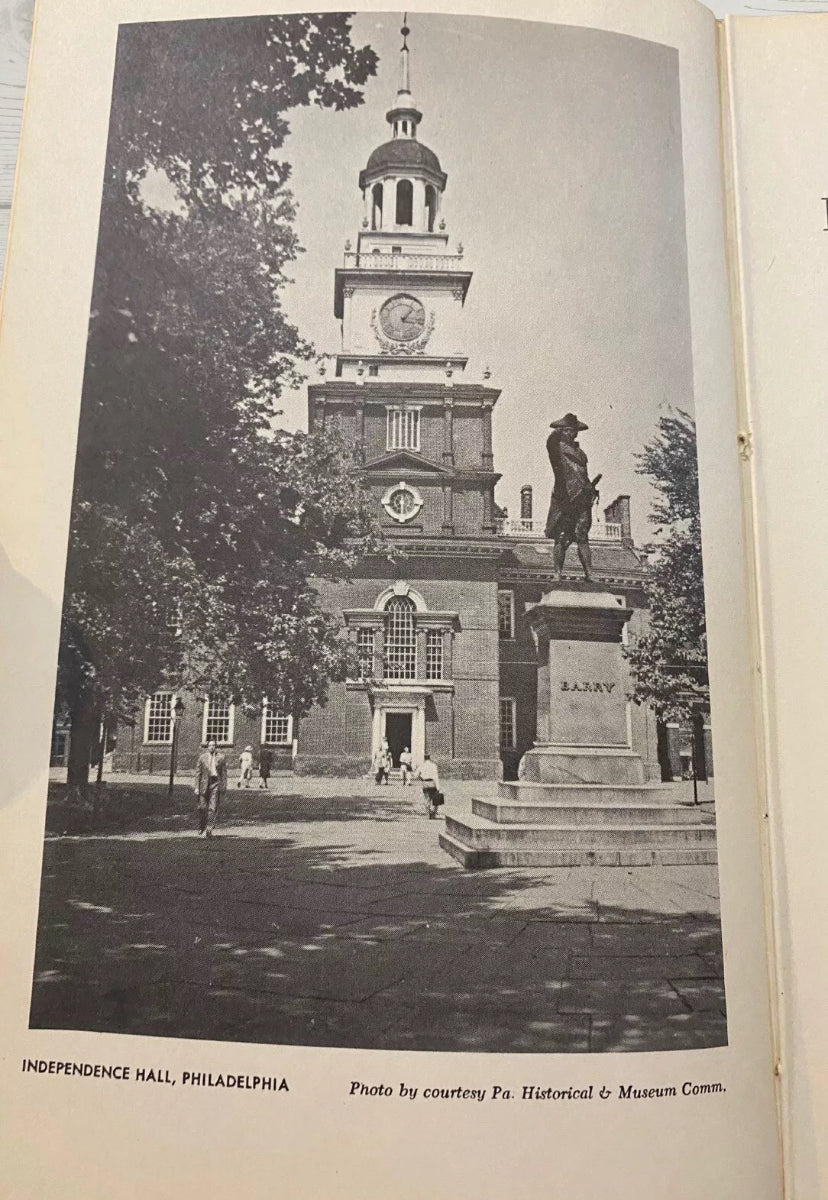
431,206
376,206
400,642
405,202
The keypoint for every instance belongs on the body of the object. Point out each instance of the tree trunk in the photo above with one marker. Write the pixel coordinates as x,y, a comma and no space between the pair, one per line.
85,723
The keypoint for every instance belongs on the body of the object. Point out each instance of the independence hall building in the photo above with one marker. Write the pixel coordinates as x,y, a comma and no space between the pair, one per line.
447,662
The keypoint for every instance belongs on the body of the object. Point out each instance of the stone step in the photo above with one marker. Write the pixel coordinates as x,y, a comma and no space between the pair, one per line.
475,831
563,811
583,764
474,858
623,794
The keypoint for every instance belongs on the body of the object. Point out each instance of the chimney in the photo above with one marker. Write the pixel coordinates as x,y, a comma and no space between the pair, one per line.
526,502
618,513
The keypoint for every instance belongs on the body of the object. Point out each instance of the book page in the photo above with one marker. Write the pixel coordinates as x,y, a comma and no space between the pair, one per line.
382,812
758,8
778,87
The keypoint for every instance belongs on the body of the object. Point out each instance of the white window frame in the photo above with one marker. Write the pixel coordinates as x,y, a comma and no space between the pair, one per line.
434,637
167,741
405,656
510,636
512,702
403,427
363,629
263,736
231,708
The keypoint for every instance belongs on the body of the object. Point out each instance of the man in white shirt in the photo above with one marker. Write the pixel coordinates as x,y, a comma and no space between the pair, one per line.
430,778
210,786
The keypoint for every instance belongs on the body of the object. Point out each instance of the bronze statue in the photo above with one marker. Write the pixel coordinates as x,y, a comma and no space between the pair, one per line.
573,495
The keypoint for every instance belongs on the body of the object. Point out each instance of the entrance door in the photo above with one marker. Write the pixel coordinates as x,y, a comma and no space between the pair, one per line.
398,732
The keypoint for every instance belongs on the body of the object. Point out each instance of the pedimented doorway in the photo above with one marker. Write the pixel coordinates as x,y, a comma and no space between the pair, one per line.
400,719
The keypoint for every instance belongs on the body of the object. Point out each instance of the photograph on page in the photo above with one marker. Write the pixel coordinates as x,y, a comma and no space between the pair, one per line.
382,715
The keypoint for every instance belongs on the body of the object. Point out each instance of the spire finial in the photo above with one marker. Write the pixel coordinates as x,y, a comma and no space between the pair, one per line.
405,85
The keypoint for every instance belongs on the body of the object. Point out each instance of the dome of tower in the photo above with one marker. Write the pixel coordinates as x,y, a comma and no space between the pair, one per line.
403,154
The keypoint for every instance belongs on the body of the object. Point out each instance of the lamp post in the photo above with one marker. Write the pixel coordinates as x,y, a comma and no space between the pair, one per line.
177,714
693,752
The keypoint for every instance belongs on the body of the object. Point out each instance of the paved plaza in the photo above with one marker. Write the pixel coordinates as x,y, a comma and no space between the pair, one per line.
324,913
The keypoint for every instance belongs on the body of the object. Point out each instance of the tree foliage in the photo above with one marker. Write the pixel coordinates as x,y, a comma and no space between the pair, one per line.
206,100
196,524
669,662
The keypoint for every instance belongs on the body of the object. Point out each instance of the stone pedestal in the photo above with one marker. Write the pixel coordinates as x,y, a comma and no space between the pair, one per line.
583,731
582,798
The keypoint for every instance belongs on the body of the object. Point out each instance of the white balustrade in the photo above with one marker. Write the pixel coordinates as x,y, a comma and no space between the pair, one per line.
405,262
527,528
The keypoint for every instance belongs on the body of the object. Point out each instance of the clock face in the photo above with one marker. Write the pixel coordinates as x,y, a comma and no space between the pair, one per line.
402,318
402,502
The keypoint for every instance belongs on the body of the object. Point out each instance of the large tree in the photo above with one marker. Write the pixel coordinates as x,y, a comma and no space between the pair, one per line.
669,661
196,524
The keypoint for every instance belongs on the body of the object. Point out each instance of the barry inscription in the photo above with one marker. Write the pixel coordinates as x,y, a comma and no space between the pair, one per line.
601,688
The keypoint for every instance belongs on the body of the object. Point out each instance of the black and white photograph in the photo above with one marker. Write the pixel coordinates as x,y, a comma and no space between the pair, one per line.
382,709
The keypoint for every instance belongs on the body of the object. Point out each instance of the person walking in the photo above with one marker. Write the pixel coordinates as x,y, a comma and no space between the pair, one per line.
380,767
210,787
246,766
405,765
430,779
265,765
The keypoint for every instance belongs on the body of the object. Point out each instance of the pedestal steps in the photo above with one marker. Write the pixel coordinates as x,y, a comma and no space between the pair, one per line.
576,812
630,856
477,831
533,825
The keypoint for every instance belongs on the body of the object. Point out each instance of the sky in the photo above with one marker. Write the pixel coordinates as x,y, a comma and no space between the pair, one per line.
563,153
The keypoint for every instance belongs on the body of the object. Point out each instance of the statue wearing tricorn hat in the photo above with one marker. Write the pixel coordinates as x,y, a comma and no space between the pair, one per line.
573,495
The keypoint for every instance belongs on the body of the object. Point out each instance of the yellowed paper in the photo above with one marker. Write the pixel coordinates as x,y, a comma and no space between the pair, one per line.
109,1138
780,105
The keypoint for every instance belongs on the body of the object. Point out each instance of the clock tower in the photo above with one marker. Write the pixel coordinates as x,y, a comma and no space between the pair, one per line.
399,389
423,619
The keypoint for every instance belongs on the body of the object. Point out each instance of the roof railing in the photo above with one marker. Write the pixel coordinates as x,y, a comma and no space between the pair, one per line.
525,527
377,261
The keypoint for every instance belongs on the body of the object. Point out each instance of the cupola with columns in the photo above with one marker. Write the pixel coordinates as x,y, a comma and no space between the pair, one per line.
403,184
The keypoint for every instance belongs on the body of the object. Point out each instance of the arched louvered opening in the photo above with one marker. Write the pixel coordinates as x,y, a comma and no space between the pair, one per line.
431,206
376,206
405,202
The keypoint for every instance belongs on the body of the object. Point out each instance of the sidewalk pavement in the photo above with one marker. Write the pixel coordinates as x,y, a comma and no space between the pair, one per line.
324,913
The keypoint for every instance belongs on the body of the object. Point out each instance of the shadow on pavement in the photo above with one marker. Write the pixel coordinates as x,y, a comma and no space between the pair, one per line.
359,940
